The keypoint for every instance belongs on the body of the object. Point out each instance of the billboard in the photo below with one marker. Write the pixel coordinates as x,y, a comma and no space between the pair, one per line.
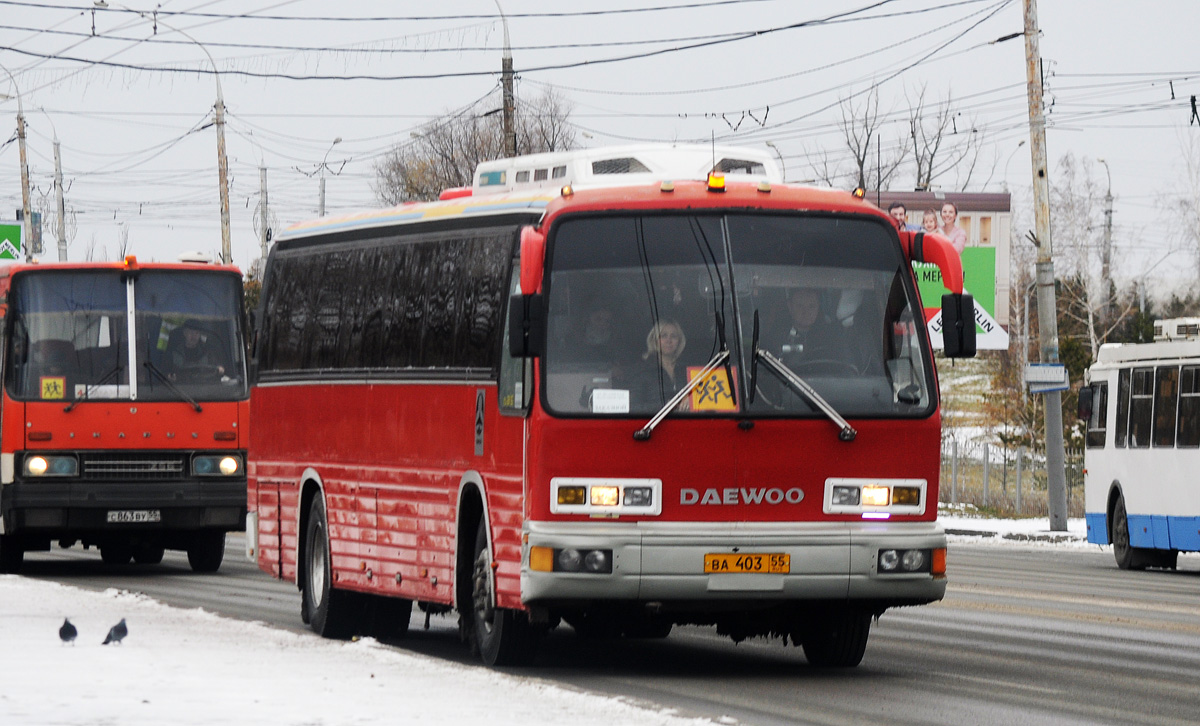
11,249
987,220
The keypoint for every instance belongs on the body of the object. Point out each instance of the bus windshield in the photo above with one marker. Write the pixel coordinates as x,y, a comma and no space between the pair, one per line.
70,330
638,305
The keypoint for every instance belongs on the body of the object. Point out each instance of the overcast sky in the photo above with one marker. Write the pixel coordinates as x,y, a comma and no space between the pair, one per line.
130,96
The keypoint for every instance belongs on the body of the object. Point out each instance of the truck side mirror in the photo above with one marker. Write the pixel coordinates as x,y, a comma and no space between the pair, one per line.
958,325
526,326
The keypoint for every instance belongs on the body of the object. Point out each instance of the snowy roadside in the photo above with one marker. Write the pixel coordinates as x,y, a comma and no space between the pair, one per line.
182,667
964,527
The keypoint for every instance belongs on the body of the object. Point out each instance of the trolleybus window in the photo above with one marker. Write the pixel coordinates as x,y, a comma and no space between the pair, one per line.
1140,407
1166,388
1097,424
1122,434
1189,407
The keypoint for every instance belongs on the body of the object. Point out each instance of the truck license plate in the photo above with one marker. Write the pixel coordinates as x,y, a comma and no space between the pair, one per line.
771,563
133,516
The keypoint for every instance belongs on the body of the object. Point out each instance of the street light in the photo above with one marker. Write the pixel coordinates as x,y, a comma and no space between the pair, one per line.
218,121
1010,158
321,205
782,166
26,212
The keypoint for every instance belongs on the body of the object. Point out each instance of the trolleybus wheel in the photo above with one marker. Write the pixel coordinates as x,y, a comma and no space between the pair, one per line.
146,554
330,611
206,551
837,639
1128,557
502,636
12,554
116,553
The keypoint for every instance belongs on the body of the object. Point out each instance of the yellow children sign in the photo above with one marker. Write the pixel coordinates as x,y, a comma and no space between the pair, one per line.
714,393
53,386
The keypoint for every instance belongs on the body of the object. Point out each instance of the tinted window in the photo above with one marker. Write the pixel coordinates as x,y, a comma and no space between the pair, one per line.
1122,432
1189,407
1141,405
1097,424
1166,392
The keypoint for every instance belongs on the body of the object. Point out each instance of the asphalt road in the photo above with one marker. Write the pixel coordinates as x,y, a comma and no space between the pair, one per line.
1048,636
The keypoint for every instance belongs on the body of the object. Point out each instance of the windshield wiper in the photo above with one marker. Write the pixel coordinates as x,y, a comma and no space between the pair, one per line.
87,391
801,386
643,433
178,391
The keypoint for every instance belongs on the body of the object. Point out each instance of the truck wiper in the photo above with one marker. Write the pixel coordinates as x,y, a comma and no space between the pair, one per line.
178,391
643,433
88,388
801,386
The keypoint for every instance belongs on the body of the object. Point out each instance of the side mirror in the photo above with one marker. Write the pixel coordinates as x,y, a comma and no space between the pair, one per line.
1085,403
526,326
533,251
958,325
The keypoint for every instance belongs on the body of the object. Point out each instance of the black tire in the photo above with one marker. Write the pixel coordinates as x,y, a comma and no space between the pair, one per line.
650,628
1127,556
502,637
388,617
147,554
837,639
116,553
206,551
12,554
331,612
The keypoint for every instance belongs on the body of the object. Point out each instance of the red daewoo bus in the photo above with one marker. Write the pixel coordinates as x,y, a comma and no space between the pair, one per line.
640,398
123,421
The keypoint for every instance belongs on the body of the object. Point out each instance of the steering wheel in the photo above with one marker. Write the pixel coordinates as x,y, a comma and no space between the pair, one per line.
199,374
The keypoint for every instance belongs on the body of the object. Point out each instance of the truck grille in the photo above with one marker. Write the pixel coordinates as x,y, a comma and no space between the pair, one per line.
134,466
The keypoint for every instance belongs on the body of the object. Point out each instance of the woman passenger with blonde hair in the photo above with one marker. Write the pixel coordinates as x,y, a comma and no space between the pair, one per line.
663,376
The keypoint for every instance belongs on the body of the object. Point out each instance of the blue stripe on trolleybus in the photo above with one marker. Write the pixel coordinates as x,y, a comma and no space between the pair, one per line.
1152,531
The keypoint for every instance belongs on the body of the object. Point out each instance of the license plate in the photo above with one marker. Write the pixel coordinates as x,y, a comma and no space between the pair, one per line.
748,563
133,516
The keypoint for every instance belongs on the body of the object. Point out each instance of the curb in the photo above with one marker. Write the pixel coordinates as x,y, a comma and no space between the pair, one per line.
1053,538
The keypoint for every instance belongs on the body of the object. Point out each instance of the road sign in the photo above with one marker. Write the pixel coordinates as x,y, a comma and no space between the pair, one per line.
1046,377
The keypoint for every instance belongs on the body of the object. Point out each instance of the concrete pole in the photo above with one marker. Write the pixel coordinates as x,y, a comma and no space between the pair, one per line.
506,77
61,226
1047,311
262,214
321,197
1106,256
26,211
222,174
1020,461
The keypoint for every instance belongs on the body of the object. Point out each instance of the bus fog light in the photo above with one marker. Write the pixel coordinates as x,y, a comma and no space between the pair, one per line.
571,495
913,560
639,496
875,496
908,496
846,496
889,560
569,560
605,496
597,561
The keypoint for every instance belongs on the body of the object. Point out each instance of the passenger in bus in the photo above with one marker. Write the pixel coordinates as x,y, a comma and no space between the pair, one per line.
193,356
662,375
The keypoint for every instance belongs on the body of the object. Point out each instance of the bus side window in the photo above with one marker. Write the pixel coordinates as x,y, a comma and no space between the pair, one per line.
1097,426
1122,433
1189,407
1141,407
1166,396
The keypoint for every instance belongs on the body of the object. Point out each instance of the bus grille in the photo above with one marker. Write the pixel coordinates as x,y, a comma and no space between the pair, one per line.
133,466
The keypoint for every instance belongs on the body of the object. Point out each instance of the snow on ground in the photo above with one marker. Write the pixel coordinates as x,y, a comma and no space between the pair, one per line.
180,666
184,667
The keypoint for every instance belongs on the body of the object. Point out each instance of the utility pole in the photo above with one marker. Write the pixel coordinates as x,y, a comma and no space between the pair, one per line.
222,174
262,215
26,212
506,76
1106,253
1056,479
60,227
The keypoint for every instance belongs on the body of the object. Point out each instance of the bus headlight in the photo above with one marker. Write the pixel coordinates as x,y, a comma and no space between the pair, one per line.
216,465
43,465
846,496
893,562
605,496
876,496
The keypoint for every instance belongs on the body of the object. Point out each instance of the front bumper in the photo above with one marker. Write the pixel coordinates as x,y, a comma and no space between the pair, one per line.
61,508
664,562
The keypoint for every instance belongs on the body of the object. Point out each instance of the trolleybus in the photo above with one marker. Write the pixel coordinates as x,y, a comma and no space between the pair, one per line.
466,404
1142,407
124,412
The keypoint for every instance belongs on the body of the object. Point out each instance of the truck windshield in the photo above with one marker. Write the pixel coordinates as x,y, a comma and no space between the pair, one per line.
69,336
638,305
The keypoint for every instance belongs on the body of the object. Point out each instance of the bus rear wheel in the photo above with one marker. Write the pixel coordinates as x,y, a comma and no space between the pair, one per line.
330,611
1127,556
503,637
837,639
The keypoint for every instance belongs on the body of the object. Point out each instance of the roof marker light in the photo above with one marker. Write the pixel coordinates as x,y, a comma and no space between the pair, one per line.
716,181
667,186
131,262
568,190
859,192
765,187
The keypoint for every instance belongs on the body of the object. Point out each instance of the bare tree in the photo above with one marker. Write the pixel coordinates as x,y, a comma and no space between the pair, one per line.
939,145
862,124
445,152
1184,209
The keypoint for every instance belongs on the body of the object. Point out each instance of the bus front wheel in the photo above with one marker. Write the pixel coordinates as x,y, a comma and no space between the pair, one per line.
206,551
837,639
1129,557
330,611
12,554
502,637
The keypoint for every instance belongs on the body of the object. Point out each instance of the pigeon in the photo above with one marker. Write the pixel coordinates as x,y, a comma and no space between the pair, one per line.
67,632
116,633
